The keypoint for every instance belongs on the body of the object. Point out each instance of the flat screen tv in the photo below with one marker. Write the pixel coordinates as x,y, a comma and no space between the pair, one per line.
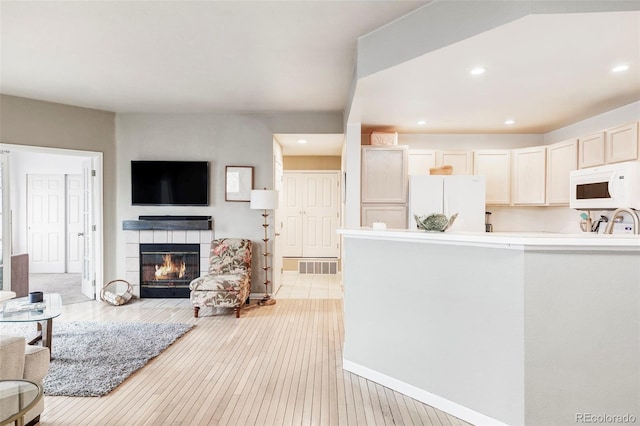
170,183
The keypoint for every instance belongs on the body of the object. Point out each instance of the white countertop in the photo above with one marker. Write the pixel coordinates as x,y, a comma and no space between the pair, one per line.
511,240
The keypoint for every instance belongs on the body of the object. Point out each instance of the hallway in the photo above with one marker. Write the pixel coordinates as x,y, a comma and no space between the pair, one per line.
310,286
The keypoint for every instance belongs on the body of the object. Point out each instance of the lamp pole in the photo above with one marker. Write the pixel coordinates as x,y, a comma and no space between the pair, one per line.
265,200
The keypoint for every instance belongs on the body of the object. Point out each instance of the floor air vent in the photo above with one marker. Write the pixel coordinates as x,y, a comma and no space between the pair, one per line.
323,267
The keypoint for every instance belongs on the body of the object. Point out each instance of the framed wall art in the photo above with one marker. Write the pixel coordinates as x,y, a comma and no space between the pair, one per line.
238,183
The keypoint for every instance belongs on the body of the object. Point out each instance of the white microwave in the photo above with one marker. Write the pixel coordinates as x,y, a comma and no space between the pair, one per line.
606,187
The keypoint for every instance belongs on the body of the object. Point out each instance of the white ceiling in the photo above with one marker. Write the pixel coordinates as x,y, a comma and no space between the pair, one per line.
325,144
187,56
545,71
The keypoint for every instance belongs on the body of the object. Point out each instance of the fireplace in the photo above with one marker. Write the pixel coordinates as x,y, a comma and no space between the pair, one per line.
167,269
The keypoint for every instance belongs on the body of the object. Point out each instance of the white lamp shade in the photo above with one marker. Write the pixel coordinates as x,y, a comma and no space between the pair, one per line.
264,199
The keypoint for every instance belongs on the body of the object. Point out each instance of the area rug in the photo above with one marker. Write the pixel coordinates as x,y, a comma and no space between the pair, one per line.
92,359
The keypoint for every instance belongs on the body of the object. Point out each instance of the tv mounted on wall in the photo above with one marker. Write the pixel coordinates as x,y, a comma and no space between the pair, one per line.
170,183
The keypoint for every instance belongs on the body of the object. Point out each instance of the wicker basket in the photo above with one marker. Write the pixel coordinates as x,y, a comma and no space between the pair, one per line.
110,295
442,170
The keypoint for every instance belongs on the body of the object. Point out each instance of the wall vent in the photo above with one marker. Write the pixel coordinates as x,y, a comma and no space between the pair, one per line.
322,267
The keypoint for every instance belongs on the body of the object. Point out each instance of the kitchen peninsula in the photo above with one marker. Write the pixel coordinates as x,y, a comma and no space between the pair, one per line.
513,328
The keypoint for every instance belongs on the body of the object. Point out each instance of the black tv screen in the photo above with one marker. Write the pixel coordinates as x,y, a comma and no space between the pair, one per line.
170,183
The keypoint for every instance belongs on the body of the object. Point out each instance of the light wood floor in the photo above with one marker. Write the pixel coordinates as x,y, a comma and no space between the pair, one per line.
276,365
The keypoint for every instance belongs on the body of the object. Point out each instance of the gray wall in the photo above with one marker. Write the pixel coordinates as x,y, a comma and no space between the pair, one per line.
441,318
221,139
46,124
519,334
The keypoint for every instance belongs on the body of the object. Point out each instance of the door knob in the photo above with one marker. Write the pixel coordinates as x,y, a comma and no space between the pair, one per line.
80,234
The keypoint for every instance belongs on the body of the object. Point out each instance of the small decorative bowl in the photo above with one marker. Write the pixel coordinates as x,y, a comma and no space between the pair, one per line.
435,222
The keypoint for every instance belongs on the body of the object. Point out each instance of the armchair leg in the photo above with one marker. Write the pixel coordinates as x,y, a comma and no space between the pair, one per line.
237,311
196,309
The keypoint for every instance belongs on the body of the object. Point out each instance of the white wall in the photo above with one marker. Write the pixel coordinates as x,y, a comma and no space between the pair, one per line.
468,142
221,139
351,168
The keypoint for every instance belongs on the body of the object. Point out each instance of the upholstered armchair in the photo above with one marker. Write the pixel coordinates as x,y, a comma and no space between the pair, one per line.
19,361
228,282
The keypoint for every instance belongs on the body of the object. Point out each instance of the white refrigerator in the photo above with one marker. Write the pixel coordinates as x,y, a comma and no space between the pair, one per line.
449,194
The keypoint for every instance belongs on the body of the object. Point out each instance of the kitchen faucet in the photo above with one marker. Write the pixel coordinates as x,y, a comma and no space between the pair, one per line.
634,217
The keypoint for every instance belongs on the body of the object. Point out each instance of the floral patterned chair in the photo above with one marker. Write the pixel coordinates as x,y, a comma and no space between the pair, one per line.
228,282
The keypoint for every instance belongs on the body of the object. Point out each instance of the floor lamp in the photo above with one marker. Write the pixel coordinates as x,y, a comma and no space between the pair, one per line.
265,199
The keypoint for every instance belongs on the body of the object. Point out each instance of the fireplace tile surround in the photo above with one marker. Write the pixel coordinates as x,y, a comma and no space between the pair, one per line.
133,239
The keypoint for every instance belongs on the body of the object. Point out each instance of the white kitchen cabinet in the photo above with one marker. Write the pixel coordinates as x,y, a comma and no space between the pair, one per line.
529,175
562,158
591,150
384,174
495,165
621,143
393,215
462,161
421,160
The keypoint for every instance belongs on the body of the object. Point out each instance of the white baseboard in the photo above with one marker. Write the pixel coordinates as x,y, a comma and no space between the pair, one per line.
428,398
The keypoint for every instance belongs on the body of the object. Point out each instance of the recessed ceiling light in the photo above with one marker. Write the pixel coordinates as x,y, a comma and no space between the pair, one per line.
620,68
302,141
478,70
422,122
508,122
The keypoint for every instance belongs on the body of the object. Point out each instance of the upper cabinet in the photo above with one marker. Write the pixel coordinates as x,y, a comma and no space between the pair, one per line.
462,161
611,146
421,160
622,143
562,159
529,176
591,150
495,165
384,174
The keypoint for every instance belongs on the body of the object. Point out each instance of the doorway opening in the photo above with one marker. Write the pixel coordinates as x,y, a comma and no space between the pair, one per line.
55,200
309,178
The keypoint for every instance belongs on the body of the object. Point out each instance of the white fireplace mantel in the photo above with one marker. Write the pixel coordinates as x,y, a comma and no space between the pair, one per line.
134,238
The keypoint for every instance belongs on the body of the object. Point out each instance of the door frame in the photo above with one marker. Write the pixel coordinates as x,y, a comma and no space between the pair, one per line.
97,203
276,251
5,183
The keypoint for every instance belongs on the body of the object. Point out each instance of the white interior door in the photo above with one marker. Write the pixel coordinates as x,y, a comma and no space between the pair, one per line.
291,211
75,223
46,223
88,264
320,215
311,214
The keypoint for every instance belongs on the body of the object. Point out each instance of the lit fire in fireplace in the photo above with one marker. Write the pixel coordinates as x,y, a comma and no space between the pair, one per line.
169,269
